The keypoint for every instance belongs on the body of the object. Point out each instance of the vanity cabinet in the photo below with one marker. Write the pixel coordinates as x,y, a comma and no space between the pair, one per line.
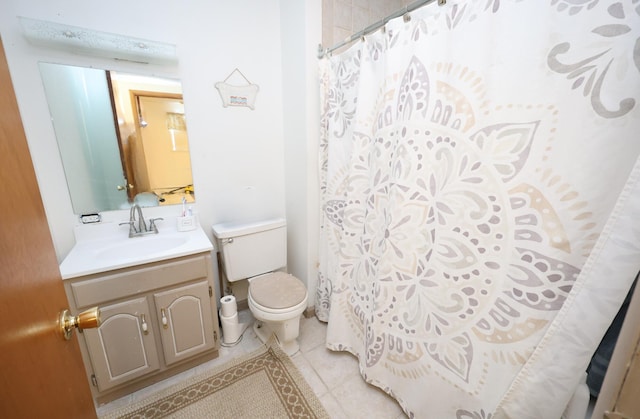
157,319
183,317
123,347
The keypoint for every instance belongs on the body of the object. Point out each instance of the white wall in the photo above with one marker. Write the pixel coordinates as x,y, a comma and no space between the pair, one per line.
313,27
301,34
239,156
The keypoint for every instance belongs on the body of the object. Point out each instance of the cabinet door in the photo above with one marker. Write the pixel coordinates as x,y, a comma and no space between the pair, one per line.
186,321
123,347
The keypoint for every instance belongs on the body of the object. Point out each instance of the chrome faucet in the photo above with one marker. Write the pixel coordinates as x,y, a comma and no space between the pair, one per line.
142,228
142,225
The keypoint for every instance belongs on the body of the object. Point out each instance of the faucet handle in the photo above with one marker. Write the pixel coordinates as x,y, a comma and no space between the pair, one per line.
132,227
152,223
131,224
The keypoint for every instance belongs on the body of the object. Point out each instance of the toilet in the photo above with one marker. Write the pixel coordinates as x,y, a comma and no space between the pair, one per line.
257,252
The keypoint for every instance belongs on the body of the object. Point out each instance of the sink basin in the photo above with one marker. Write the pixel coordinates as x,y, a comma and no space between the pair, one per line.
106,246
143,246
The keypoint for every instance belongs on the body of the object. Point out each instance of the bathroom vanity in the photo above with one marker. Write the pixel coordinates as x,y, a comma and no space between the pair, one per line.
157,308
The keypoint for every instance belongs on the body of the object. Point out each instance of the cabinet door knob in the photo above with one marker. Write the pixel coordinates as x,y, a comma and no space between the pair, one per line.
88,319
165,323
143,325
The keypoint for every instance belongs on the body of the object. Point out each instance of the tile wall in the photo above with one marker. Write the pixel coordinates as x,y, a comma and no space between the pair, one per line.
342,18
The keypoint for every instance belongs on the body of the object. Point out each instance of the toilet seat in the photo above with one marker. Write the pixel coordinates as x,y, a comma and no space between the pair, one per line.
277,292
265,313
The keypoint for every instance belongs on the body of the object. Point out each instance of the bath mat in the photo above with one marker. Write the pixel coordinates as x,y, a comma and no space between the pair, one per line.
263,384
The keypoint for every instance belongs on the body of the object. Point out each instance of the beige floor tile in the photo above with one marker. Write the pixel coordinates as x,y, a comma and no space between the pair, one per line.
332,407
309,374
116,404
359,399
313,333
333,367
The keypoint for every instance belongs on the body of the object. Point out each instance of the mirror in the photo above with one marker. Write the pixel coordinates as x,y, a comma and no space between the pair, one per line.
122,137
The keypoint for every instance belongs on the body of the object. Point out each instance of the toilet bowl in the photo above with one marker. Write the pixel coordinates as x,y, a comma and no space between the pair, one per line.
277,300
257,252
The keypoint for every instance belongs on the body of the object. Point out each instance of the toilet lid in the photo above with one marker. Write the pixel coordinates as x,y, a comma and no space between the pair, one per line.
277,290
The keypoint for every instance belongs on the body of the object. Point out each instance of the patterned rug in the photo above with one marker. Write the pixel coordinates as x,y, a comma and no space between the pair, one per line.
263,384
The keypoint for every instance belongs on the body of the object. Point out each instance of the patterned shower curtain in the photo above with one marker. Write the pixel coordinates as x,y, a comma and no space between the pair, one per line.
478,191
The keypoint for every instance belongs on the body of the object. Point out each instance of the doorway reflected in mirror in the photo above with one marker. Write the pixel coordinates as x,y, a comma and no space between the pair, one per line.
153,141
122,137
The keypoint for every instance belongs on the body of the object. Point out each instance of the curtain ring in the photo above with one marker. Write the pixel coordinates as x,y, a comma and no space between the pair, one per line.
406,17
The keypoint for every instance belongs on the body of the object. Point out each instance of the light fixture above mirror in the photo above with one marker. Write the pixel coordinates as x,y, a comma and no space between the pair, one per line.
102,44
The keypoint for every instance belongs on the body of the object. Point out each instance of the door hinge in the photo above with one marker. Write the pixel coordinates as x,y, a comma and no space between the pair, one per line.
94,380
210,291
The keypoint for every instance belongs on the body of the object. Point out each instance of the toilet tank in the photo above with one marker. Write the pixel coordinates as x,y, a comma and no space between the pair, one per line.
250,249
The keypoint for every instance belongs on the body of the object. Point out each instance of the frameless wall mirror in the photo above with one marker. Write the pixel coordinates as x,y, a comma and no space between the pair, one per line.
122,137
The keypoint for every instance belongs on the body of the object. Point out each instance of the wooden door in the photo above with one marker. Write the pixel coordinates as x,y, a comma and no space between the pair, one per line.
123,145
185,320
41,375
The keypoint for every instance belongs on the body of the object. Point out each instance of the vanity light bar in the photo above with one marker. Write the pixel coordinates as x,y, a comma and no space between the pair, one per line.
89,42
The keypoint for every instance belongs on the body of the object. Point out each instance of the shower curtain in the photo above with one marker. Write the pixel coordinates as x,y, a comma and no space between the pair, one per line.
479,183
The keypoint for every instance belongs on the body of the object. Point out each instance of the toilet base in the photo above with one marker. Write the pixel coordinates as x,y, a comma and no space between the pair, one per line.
286,333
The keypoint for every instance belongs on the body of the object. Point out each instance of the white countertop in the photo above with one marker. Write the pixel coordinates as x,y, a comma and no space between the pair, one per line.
106,246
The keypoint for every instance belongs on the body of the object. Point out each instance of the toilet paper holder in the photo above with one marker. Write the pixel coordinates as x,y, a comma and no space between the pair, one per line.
232,329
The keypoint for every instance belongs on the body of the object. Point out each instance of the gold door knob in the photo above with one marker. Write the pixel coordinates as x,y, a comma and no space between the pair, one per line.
88,319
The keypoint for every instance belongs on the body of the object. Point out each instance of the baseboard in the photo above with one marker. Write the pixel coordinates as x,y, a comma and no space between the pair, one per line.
309,312
243,304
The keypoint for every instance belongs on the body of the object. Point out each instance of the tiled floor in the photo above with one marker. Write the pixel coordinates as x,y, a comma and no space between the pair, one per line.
333,376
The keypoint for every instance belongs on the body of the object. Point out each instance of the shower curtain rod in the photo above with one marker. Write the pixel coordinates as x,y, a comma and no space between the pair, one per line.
371,28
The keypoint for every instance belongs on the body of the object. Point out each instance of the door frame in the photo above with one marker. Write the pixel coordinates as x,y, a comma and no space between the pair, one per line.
627,348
